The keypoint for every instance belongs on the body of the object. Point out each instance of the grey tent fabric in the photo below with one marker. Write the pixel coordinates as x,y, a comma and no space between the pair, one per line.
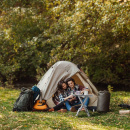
63,70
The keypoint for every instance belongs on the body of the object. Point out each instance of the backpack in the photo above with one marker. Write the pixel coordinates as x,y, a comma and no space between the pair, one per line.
24,101
36,91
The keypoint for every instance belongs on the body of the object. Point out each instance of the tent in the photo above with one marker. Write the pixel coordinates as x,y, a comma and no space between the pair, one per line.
63,70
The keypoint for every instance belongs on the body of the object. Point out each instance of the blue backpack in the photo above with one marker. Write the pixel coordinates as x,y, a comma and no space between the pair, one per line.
36,91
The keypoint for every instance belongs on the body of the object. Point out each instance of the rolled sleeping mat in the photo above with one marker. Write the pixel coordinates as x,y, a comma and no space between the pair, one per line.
103,101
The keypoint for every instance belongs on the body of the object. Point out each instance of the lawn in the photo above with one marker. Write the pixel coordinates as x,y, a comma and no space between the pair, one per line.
112,120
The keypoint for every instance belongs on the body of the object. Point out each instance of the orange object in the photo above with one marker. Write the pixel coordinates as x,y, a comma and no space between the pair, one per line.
40,105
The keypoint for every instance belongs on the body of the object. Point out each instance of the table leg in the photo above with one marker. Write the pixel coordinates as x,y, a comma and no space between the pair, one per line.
80,106
87,111
83,106
78,111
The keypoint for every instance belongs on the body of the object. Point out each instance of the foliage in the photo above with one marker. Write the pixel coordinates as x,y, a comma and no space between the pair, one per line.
22,54
96,35
35,34
110,88
54,120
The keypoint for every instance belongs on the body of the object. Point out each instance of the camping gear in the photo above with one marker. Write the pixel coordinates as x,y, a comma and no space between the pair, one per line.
103,101
63,70
24,101
83,103
36,91
124,112
93,108
124,105
40,105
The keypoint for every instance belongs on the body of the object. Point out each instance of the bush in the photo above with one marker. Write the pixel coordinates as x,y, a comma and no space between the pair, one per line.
37,34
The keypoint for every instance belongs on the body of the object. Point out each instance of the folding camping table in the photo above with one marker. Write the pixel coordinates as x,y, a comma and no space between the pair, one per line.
80,96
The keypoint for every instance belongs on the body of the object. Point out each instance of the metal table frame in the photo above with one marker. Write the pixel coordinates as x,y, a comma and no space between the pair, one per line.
82,103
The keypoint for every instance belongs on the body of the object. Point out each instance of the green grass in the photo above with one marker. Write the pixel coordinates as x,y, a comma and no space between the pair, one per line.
65,121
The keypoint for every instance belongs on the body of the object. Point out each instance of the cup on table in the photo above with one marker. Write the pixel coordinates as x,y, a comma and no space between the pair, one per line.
78,92
85,92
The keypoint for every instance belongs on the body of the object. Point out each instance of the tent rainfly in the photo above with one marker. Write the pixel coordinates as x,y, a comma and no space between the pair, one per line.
63,70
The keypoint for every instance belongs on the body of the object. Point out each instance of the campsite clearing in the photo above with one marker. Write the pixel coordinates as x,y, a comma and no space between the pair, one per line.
54,120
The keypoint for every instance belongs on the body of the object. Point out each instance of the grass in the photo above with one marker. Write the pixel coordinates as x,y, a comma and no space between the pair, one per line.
53,120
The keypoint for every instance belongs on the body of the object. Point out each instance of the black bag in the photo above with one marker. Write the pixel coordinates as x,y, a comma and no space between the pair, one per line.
24,101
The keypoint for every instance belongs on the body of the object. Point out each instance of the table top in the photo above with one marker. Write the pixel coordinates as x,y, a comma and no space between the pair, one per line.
83,95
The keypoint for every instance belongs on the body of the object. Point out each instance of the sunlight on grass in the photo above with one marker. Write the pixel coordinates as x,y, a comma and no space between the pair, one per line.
7,94
54,120
121,97
1,115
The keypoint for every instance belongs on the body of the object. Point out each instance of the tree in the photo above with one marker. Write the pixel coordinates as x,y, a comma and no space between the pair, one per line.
35,34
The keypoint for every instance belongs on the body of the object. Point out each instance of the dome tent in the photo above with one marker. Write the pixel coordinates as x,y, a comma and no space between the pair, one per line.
63,70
